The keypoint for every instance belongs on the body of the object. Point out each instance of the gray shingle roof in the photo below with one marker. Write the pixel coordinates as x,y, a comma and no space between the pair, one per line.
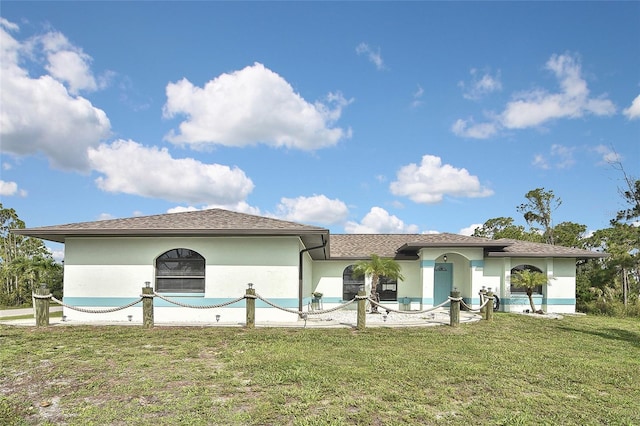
346,246
361,246
201,222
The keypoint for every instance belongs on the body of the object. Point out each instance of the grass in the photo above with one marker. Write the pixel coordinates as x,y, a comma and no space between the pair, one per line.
515,370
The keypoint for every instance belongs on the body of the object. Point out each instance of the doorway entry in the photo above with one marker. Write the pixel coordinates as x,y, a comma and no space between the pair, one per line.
443,282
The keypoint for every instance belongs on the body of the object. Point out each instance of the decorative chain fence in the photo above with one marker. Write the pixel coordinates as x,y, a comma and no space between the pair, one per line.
43,297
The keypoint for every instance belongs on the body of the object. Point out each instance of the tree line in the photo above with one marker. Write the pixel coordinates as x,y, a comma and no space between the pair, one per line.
25,262
608,286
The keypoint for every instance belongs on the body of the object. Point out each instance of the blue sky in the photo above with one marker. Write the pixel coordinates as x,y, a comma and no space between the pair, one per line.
359,116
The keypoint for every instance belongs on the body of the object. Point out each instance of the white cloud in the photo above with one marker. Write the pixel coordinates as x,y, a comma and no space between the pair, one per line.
240,206
251,106
469,230
481,85
39,114
536,107
609,156
68,63
379,221
430,181
151,172
315,209
10,189
374,56
469,129
533,108
417,97
560,157
633,112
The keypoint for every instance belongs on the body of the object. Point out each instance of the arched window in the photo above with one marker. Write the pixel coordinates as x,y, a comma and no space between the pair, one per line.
180,271
514,289
351,284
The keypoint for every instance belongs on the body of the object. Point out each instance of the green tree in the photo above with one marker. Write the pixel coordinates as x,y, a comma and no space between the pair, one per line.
375,268
25,262
569,234
503,227
529,280
538,210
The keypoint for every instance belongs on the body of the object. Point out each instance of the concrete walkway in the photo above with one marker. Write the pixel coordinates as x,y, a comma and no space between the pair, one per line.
337,319
25,311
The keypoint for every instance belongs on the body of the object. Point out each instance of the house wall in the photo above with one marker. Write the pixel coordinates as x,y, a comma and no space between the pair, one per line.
109,272
559,296
327,279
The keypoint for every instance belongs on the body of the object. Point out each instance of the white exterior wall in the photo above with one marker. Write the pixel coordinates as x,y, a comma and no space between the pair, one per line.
108,272
327,279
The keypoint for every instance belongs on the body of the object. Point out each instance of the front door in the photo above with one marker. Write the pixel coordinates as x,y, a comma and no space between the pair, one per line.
443,282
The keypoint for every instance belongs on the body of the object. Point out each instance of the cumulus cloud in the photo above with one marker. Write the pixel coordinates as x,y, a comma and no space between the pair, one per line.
608,154
379,221
560,157
429,181
633,112
314,209
251,106
481,84
470,129
536,107
469,230
39,115
240,207
68,63
374,56
10,189
131,168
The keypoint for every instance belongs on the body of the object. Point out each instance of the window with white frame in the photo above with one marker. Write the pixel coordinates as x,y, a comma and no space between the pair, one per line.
351,284
514,289
387,289
180,270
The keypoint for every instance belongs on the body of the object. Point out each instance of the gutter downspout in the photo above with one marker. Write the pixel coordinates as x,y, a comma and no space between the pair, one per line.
300,272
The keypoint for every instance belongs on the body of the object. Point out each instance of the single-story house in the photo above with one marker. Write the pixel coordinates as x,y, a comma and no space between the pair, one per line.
208,257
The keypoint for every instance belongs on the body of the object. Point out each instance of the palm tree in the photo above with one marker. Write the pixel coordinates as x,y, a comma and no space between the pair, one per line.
377,267
529,280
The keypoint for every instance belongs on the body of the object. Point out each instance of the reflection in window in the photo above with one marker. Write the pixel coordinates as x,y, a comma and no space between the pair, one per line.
514,289
351,284
180,271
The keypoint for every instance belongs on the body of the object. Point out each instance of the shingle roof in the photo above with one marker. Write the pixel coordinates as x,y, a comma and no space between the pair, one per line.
361,246
392,245
218,222
201,222
529,249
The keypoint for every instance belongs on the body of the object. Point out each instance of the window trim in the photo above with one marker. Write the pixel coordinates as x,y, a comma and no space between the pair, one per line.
194,261
521,290
352,282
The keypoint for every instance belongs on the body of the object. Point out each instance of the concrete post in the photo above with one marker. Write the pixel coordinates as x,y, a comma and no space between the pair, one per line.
362,311
454,315
42,306
251,306
147,306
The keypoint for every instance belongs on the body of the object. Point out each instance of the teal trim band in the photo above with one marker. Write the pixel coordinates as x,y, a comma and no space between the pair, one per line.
557,301
427,300
428,264
477,263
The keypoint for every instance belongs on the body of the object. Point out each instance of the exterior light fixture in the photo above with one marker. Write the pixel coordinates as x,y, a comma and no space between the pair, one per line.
147,284
384,317
218,318
130,317
64,318
250,285
444,258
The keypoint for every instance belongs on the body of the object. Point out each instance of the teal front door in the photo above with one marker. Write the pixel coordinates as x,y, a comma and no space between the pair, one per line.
443,282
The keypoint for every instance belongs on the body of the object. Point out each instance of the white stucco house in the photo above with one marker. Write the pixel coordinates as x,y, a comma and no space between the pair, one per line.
208,257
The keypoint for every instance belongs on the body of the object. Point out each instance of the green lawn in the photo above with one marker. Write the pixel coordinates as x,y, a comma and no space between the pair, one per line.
515,370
